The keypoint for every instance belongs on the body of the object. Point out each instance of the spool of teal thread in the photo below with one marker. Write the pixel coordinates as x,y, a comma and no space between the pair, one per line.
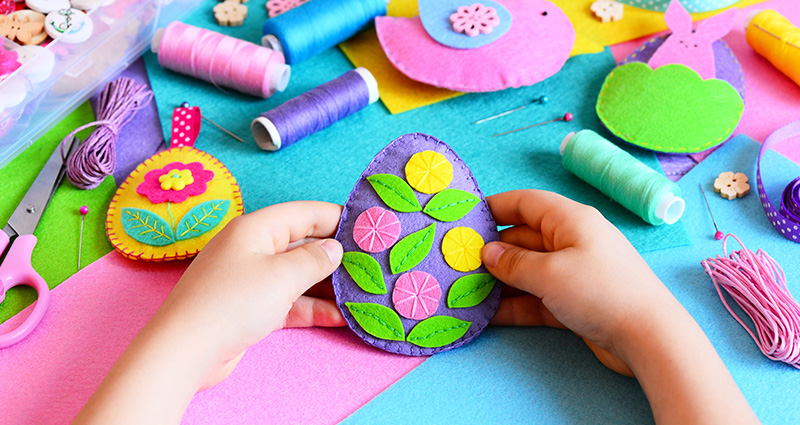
623,178
318,25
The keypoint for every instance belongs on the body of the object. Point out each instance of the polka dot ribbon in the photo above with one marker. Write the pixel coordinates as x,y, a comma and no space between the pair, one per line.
786,219
185,126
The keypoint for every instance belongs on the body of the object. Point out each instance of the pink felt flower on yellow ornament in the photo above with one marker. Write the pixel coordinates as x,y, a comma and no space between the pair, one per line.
474,20
176,182
9,61
276,7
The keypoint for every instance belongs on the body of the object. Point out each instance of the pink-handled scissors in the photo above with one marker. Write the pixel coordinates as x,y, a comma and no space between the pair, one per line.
17,243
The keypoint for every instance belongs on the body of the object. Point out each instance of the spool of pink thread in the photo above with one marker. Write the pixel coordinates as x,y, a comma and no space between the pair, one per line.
221,60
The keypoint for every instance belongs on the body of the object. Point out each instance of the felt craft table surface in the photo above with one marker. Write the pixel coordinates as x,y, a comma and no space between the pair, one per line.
343,156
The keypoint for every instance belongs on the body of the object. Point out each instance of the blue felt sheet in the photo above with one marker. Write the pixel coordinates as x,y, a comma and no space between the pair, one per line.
516,375
325,166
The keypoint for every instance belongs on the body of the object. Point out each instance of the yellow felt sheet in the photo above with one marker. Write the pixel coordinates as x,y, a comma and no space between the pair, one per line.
400,93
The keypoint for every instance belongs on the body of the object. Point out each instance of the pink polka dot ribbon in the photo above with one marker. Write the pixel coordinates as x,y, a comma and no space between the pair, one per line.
376,229
185,126
416,295
786,220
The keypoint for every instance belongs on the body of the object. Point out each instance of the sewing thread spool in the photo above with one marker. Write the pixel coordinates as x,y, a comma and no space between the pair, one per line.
628,181
318,25
774,37
315,110
221,60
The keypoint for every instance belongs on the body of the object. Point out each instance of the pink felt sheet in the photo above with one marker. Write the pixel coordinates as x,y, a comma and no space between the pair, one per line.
309,376
772,100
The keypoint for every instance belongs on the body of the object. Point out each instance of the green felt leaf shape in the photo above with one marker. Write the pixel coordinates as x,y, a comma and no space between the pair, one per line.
470,291
147,227
377,320
395,192
411,250
202,218
670,109
365,271
438,331
451,205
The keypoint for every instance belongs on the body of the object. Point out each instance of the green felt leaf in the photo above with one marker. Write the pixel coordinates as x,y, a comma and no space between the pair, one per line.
670,109
365,271
438,331
377,320
470,291
411,250
451,205
147,227
395,192
202,218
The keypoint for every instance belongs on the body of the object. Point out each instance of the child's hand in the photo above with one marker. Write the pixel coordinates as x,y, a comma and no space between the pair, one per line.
247,282
584,275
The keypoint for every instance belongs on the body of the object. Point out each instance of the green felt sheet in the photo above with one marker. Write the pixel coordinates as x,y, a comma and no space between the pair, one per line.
55,257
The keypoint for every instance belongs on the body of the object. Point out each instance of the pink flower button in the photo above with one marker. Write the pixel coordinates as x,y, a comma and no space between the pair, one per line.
277,7
416,295
376,229
474,20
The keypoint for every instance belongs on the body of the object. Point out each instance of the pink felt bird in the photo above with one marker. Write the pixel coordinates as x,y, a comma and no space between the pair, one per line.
689,47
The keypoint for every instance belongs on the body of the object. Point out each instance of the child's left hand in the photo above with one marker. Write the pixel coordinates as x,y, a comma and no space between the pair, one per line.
248,281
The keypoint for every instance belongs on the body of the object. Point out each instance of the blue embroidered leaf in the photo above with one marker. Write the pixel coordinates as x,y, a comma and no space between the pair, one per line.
365,271
202,218
377,320
438,331
395,192
451,205
147,227
470,291
411,250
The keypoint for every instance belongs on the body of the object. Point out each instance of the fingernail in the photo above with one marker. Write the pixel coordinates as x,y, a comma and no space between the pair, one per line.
492,253
333,249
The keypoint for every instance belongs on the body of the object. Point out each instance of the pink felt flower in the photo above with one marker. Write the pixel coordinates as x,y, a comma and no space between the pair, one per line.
475,19
376,229
276,7
176,182
416,295
8,61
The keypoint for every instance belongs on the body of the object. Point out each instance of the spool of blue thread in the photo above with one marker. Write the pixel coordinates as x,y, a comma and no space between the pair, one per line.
318,25
315,110
623,178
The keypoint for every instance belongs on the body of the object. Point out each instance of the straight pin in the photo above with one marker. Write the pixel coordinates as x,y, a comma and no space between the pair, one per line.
186,105
84,210
567,117
719,235
541,100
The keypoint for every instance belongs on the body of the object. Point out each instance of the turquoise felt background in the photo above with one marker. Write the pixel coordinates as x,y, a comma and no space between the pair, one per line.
326,165
540,375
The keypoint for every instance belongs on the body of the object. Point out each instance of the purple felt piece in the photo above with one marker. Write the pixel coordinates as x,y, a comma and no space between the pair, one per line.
392,160
675,166
142,137
728,67
536,47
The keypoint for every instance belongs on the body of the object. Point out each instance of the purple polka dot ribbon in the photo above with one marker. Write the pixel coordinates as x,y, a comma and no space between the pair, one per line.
787,219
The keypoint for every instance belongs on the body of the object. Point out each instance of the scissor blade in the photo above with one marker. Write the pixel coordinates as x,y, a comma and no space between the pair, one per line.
27,215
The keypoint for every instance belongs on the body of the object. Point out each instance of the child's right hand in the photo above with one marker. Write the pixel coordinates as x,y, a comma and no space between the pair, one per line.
582,274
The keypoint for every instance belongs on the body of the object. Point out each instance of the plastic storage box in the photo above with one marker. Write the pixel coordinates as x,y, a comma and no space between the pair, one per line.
62,76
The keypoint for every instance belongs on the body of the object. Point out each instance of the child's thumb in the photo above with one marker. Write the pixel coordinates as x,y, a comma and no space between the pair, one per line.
311,263
515,266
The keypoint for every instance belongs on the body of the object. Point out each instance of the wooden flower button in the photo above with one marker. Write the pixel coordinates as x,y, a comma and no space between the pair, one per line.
25,27
230,13
731,186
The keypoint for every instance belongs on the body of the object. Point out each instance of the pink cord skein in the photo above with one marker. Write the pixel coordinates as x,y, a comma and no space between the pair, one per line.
758,285
222,60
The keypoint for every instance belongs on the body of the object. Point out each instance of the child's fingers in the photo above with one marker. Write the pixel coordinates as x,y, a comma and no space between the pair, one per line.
527,206
299,269
524,236
519,267
525,310
309,311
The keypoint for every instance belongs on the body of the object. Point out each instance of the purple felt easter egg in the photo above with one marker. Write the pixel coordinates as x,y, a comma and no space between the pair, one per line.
428,291
535,47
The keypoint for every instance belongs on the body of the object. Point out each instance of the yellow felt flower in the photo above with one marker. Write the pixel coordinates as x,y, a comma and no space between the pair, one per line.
461,247
176,179
429,172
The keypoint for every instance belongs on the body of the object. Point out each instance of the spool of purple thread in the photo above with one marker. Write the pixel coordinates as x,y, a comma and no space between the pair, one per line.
315,110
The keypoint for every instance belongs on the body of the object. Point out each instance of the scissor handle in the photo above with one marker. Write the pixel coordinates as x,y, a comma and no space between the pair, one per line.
16,270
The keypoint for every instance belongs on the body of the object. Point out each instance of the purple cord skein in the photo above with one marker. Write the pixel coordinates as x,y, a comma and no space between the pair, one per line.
312,111
95,158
